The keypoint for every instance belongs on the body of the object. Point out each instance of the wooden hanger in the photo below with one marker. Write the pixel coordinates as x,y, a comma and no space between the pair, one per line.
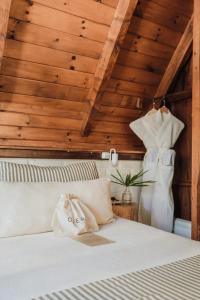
164,109
153,110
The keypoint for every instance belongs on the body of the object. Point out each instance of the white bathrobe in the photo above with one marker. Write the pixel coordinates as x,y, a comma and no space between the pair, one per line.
159,132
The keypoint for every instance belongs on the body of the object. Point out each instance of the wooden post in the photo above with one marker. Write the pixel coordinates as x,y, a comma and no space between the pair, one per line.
196,125
4,16
116,36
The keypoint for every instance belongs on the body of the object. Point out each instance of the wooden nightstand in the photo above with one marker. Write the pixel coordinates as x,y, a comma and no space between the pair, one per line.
127,211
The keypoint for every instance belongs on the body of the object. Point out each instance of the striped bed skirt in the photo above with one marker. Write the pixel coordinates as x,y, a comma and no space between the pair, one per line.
176,281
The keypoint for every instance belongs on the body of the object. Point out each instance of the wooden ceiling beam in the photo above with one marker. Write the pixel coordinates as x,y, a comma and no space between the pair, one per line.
179,96
176,60
115,38
195,191
4,16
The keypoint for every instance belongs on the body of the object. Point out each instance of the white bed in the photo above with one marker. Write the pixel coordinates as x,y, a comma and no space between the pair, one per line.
33,265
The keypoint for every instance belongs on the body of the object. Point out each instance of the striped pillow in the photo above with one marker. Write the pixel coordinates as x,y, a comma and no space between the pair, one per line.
12,172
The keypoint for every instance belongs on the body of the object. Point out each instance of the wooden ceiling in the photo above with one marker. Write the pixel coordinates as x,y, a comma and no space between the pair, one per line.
51,55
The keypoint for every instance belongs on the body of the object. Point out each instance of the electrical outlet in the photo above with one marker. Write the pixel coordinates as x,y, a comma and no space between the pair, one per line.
105,155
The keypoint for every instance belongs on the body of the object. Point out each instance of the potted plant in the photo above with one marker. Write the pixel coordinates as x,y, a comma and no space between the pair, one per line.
128,181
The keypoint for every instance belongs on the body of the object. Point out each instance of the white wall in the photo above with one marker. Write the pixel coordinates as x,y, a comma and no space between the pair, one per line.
104,169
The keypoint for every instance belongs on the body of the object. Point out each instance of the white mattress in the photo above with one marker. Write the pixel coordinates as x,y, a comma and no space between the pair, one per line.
31,266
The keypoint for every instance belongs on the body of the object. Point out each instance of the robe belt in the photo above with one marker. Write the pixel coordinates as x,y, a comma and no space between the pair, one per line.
158,148
154,154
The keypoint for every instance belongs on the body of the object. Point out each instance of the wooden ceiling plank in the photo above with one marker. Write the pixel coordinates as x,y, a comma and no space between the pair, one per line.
140,44
48,17
195,191
170,18
155,32
45,73
91,10
16,85
116,36
49,56
4,16
142,61
136,75
176,60
111,3
184,7
51,38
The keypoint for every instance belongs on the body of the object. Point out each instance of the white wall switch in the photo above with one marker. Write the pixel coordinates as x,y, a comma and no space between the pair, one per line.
105,155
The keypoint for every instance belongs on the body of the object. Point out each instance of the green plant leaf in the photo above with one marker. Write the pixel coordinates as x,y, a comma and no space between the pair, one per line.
118,179
122,179
129,180
142,183
139,185
137,176
117,183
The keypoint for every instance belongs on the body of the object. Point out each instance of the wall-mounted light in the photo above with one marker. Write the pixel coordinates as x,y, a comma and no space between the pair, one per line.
113,157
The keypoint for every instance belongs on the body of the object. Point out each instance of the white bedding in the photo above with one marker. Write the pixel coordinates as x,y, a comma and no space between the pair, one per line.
33,265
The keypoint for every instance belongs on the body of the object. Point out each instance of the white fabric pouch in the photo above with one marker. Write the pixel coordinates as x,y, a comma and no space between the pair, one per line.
72,217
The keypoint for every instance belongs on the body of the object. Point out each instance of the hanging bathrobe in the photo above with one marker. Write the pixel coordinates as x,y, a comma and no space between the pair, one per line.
159,132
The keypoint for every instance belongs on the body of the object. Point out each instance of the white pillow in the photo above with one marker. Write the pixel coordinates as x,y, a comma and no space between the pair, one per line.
27,208
96,194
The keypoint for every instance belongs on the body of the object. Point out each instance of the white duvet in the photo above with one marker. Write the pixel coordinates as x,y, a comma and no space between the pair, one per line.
31,266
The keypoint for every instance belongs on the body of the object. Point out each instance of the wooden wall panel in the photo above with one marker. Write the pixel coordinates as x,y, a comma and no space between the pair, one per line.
4,17
182,178
149,45
195,190
26,153
61,135
51,54
67,146
115,38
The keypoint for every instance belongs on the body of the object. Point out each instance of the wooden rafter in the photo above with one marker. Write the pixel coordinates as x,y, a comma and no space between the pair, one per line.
116,35
4,16
195,192
179,96
176,60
